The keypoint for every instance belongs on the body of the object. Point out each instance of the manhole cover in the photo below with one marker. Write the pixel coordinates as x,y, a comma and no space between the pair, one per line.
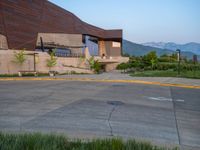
118,85
115,103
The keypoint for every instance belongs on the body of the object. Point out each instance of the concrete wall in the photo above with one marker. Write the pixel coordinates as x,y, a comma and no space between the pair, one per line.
7,65
111,64
64,65
72,40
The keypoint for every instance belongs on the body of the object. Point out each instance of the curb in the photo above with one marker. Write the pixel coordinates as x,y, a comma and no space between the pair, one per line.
102,80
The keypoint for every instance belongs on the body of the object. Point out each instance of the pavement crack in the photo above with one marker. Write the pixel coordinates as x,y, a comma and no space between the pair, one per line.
176,121
109,122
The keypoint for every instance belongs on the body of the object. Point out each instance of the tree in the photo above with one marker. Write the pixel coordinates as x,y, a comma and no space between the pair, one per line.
152,59
20,58
52,61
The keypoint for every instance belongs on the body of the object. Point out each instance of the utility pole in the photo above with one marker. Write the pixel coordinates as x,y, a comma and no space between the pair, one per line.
179,60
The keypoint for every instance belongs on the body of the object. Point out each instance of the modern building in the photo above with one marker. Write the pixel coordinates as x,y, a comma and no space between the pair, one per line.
39,25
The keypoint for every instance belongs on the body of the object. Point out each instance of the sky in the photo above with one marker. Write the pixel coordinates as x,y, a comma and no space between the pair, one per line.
142,20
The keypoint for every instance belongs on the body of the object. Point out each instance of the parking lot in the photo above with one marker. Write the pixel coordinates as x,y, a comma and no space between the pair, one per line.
163,115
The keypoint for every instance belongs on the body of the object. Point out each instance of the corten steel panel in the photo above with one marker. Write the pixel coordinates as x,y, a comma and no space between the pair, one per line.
22,20
2,30
112,51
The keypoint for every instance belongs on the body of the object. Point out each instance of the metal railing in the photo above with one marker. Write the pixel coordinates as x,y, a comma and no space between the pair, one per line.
69,55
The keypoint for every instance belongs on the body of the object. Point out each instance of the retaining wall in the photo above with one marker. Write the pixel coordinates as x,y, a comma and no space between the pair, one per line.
64,65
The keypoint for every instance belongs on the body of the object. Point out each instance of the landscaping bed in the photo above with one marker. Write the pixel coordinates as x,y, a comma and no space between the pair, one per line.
166,73
151,65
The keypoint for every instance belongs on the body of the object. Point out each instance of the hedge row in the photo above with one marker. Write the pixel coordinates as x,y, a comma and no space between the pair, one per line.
158,66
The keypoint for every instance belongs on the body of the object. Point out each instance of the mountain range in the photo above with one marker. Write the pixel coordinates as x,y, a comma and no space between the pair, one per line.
189,47
188,50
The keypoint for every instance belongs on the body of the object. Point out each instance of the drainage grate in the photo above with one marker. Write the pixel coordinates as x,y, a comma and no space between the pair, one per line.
115,103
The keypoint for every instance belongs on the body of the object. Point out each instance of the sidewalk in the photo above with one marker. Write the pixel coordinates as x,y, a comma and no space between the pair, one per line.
119,76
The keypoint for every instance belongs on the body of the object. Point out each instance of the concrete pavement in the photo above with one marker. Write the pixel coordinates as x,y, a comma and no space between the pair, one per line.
163,115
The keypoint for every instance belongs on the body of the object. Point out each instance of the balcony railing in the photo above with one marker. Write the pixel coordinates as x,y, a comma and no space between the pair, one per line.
69,55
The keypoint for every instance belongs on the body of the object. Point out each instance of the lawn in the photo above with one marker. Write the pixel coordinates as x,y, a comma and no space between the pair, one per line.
56,142
167,73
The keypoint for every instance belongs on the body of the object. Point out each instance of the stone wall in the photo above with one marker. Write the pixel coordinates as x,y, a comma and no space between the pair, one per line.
64,65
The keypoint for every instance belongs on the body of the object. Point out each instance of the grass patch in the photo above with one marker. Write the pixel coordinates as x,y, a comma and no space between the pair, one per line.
55,142
8,75
167,73
25,75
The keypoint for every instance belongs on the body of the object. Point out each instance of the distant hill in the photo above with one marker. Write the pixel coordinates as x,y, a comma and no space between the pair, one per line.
140,50
189,47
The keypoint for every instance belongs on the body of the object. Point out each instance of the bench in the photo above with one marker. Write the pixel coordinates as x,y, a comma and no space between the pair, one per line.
20,73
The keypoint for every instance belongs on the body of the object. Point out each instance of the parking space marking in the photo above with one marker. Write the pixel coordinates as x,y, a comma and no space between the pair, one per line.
164,99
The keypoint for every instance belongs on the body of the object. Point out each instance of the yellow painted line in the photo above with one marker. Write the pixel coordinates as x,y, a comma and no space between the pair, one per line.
101,80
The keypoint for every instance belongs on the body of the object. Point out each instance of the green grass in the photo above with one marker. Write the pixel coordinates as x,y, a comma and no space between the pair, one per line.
24,75
55,142
167,73
8,75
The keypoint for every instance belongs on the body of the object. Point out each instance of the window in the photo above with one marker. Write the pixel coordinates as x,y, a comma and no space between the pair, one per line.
116,44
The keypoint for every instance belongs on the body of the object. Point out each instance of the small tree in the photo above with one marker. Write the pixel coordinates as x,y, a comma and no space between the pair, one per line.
20,58
153,63
52,61
152,59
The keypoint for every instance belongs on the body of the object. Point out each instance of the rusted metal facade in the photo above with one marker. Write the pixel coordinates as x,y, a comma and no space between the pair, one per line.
22,20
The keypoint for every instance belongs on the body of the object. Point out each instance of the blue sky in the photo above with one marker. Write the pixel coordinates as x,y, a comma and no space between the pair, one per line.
142,20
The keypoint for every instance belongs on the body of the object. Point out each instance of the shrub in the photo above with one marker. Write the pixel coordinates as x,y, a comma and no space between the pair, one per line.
166,66
94,65
123,66
190,67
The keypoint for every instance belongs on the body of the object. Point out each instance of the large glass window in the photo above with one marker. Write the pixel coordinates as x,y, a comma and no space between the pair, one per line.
92,44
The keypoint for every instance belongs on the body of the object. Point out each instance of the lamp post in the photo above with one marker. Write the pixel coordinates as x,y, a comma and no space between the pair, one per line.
179,60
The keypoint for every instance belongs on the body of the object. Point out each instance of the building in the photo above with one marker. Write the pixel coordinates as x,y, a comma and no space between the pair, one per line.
39,25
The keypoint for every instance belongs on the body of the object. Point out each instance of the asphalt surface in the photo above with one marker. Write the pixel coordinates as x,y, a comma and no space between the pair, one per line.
162,115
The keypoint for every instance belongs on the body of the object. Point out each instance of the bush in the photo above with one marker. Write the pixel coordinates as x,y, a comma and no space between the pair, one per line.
166,66
123,66
94,65
189,67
